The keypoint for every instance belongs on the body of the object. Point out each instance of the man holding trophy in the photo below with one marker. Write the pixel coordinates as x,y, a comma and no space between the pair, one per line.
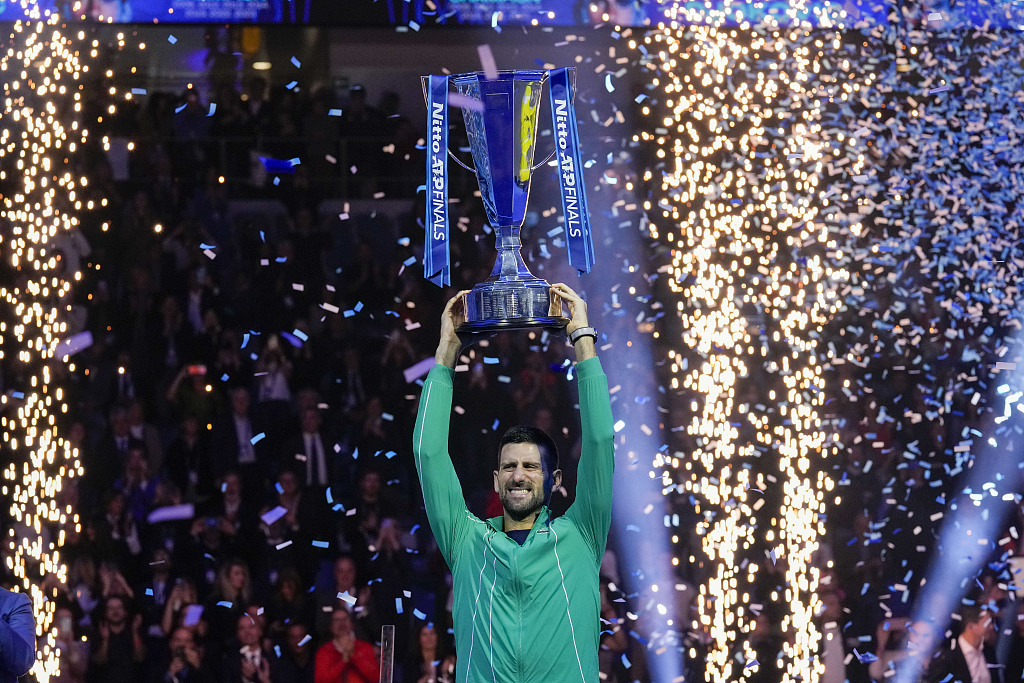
526,591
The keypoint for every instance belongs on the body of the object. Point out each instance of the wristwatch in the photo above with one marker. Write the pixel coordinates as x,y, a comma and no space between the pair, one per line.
578,334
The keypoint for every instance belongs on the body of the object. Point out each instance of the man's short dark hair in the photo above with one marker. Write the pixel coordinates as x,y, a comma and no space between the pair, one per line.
544,443
970,614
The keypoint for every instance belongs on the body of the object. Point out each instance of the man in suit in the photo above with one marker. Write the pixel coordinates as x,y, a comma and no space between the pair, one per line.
233,446
17,635
112,451
251,663
971,659
312,461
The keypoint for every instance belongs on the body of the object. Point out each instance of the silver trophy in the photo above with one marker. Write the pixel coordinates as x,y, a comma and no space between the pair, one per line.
501,113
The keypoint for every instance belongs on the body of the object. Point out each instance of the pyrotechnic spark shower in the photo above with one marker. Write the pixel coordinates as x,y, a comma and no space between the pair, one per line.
42,129
735,125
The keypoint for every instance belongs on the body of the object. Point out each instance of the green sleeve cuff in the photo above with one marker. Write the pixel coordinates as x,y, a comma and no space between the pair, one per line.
441,373
588,368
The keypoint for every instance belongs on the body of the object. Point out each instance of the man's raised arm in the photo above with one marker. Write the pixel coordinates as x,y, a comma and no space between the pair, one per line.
592,509
442,493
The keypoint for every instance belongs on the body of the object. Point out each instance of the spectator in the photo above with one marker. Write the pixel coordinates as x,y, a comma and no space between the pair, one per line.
229,600
111,455
343,594
238,447
191,393
345,658
72,649
971,658
289,604
181,662
183,596
157,585
85,587
189,464
430,661
902,644
316,464
297,664
137,485
118,649
145,433
1015,662
118,534
252,662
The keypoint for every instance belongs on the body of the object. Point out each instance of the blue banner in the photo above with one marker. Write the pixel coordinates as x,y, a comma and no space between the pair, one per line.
436,266
579,241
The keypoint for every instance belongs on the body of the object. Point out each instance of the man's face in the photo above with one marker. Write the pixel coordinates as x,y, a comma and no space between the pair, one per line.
232,486
248,631
519,480
180,639
116,613
119,425
289,483
369,487
310,421
920,637
344,572
983,628
297,634
341,623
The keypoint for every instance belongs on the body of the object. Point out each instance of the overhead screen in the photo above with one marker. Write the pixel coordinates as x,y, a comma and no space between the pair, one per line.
410,14
501,14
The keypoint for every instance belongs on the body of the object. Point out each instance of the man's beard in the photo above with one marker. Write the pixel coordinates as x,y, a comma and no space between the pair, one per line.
522,508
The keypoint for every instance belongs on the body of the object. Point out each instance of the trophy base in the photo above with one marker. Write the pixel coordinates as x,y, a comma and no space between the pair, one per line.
510,304
485,326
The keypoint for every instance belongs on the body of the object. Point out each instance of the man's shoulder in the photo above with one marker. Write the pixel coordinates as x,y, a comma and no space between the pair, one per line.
10,600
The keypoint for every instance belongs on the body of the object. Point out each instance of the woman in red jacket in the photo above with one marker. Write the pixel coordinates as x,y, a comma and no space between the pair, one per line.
345,659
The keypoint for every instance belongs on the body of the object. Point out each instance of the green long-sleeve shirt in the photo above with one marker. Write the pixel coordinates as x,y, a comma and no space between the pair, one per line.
530,613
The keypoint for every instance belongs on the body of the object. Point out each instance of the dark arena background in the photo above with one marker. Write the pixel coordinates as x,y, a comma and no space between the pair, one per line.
807,226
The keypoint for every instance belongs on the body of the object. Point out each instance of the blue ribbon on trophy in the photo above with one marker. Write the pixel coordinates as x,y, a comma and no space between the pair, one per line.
578,237
500,111
436,265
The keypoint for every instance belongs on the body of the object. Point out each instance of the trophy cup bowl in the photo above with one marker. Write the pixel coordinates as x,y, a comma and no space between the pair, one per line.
500,113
